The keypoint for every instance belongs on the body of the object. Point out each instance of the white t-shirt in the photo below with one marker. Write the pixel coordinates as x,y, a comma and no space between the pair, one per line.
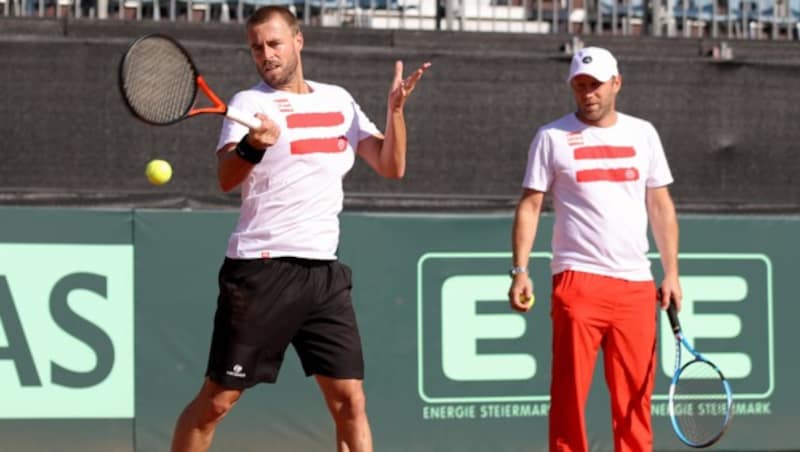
292,199
598,177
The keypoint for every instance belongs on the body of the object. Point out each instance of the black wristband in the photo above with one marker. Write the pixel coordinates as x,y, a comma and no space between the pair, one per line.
249,153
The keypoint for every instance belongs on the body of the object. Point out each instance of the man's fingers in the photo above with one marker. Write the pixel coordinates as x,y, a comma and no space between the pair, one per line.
413,78
425,66
398,72
668,296
521,300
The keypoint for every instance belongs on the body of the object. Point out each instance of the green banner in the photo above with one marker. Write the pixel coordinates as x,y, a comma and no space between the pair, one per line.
105,322
66,330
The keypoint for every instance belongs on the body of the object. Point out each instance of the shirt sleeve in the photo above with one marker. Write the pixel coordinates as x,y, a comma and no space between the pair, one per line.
366,128
232,131
660,174
539,172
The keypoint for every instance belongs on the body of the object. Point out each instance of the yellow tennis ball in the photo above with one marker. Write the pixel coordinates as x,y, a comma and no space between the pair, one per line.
158,172
528,300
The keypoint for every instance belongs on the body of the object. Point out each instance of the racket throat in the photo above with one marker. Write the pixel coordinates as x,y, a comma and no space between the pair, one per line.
217,107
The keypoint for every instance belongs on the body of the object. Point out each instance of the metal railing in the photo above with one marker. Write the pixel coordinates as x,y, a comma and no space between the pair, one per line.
735,19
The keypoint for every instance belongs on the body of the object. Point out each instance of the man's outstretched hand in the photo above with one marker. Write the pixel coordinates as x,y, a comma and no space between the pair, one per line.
402,87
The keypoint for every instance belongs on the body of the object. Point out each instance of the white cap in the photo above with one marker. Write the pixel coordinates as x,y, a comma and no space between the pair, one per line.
595,62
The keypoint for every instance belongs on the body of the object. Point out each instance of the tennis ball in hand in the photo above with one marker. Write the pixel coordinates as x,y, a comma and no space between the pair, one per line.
158,172
527,300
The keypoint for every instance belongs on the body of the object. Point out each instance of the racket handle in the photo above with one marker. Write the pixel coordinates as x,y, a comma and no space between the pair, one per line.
243,118
672,314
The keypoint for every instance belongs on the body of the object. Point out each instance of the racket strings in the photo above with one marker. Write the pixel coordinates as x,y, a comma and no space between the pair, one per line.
700,403
158,80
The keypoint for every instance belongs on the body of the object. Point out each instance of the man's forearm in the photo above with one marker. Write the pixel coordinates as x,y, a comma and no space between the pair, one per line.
393,151
526,222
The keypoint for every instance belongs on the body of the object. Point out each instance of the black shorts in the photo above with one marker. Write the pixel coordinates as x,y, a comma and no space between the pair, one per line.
266,304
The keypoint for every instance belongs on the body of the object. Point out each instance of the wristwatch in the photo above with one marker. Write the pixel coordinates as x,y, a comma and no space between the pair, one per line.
517,270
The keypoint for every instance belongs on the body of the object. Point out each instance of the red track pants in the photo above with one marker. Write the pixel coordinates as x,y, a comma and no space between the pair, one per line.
590,311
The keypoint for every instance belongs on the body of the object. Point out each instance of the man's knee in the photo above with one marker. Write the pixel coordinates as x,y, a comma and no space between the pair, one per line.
357,404
351,405
212,407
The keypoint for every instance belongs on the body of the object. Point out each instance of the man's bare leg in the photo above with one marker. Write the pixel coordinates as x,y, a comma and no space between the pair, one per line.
347,404
195,428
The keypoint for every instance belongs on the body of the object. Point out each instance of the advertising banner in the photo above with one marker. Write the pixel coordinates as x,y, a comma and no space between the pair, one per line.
106,317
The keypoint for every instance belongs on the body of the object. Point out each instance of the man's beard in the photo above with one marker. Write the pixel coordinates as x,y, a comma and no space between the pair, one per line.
281,77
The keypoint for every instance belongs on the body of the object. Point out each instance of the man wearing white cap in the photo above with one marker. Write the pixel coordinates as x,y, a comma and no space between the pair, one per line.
607,174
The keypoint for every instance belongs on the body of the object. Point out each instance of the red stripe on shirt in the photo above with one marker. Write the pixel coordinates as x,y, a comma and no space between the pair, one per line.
608,175
604,152
314,120
324,145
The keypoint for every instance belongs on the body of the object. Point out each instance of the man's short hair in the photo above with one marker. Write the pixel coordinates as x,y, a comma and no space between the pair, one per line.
266,13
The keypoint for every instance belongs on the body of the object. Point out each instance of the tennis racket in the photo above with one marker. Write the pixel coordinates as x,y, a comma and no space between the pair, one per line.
700,398
159,83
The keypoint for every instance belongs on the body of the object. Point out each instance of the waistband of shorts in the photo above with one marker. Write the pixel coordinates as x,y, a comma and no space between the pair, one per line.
288,259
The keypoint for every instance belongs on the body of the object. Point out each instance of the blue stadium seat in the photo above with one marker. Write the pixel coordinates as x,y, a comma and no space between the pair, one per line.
636,8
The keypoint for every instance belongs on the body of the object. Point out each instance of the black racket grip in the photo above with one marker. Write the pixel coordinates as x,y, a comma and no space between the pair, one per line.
672,314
